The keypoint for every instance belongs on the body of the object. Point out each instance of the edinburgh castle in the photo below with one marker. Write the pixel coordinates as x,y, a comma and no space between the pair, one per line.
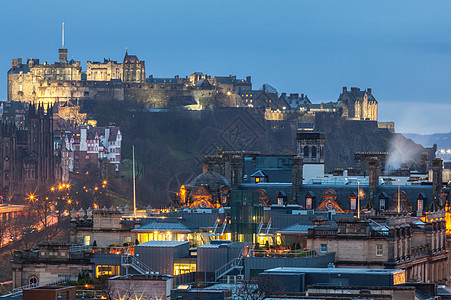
64,80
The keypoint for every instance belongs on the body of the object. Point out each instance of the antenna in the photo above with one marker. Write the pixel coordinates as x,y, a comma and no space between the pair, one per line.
63,37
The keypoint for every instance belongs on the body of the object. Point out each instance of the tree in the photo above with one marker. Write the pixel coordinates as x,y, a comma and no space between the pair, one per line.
255,289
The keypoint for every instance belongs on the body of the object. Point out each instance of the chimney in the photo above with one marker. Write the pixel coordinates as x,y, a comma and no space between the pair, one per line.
345,90
302,96
248,79
373,165
19,61
368,90
13,63
284,95
296,178
437,166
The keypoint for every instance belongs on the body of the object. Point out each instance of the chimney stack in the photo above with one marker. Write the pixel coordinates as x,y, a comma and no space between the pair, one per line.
373,165
296,178
13,63
437,166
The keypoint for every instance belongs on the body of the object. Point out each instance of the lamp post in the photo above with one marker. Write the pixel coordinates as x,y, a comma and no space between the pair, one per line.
358,200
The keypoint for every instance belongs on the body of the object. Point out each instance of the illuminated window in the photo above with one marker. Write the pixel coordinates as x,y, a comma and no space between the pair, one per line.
379,250
33,281
186,267
308,203
420,204
107,270
87,240
323,248
257,179
353,203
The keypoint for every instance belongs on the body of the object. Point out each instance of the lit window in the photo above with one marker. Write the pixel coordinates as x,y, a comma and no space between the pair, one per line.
353,203
87,240
420,204
257,179
308,203
323,248
379,250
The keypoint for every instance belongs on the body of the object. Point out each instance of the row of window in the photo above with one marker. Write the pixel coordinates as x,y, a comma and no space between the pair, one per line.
353,202
379,249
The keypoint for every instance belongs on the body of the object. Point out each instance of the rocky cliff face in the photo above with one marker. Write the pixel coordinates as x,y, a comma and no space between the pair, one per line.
171,144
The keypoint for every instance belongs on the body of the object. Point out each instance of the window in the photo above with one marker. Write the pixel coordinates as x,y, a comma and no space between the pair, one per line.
87,240
306,151
313,152
379,250
33,281
308,203
420,205
382,204
353,203
323,248
106,270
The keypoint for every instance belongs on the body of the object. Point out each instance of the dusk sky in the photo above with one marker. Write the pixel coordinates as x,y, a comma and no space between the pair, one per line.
401,49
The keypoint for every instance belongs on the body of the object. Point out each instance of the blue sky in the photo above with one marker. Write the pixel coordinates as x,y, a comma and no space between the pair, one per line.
401,49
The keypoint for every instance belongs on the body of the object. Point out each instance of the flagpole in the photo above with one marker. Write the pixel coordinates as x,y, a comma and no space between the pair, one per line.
134,184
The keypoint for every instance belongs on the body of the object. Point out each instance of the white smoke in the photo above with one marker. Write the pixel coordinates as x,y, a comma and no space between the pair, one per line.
402,153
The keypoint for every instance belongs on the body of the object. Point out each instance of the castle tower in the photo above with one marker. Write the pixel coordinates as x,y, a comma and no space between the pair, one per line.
62,53
311,151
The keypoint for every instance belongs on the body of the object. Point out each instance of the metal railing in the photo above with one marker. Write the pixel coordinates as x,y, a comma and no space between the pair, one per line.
135,263
282,253
80,248
231,265
17,291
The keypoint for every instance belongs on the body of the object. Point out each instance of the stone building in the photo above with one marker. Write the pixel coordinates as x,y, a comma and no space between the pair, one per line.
111,80
49,264
411,244
28,159
357,104
25,81
208,190
87,146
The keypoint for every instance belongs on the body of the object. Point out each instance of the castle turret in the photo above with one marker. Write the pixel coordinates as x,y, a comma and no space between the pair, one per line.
62,55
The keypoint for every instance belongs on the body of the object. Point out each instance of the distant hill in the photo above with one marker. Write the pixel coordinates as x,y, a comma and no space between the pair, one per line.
443,140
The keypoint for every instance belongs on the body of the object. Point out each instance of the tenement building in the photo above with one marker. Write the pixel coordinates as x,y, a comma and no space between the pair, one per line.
393,242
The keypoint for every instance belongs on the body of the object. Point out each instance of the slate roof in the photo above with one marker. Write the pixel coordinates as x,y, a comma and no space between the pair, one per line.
24,68
296,229
163,225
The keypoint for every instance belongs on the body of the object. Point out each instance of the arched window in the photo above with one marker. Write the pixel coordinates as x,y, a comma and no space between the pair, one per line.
306,151
314,152
33,281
